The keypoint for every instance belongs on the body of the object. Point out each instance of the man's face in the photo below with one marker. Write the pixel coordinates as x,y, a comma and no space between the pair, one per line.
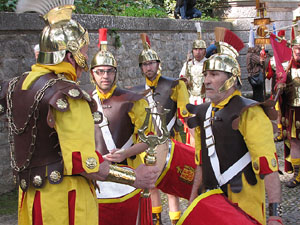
199,53
296,53
84,51
149,69
104,77
213,81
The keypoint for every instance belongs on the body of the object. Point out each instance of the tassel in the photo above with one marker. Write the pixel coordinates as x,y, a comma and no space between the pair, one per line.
146,211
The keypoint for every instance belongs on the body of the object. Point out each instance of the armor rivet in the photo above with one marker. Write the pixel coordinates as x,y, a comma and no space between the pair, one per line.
74,93
61,103
37,180
55,176
273,162
15,179
23,184
86,95
1,109
284,133
298,124
255,166
97,117
91,163
184,112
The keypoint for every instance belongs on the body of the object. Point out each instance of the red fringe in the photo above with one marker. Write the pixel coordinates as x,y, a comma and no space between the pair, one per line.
146,211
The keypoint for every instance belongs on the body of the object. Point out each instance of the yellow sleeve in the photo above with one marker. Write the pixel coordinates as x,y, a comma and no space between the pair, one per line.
257,131
197,137
75,129
138,116
181,96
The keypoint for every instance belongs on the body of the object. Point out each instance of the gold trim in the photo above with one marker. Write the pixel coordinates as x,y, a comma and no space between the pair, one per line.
121,175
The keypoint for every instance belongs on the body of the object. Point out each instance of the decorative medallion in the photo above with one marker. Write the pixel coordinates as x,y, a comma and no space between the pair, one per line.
273,162
23,184
61,103
74,93
98,117
184,112
284,133
55,176
91,163
297,124
255,166
1,109
86,95
37,180
286,122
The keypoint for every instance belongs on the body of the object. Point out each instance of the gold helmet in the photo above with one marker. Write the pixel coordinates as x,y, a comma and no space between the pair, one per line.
147,54
228,46
61,35
199,43
103,57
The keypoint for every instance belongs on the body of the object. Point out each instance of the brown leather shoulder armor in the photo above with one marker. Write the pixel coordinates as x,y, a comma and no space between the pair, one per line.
116,110
36,147
227,137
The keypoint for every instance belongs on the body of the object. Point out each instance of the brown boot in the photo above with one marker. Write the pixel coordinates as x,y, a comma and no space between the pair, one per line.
294,182
174,222
156,218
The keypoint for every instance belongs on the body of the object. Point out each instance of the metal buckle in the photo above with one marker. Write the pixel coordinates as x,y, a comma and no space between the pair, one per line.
104,122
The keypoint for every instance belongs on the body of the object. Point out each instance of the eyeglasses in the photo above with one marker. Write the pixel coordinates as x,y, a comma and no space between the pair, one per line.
149,63
101,72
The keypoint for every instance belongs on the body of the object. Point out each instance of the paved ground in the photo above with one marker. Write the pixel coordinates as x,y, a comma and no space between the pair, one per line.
290,203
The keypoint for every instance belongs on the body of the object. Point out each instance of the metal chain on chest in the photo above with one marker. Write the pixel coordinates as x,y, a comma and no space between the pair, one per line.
33,113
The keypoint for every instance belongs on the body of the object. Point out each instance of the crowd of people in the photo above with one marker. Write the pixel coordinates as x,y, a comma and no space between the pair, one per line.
78,157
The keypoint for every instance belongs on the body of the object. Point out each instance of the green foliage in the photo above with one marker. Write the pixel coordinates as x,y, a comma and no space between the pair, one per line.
9,203
120,8
8,5
116,36
207,7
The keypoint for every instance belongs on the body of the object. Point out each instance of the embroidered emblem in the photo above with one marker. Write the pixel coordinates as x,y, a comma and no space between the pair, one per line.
186,173
55,176
98,117
23,184
255,166
91,163
1,109
61,103
273,162
37,180
86,95
74,93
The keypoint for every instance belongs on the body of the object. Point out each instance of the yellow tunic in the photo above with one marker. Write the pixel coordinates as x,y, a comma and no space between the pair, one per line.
75,130
257,131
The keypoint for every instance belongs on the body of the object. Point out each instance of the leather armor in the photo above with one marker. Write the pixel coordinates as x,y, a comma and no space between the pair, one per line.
44,154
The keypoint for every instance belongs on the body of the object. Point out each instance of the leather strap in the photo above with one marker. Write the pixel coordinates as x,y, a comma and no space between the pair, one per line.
210,143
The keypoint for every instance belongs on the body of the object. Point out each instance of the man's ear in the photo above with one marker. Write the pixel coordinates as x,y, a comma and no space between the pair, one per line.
69,58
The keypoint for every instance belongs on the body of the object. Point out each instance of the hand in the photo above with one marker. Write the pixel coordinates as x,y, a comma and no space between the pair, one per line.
116,155
275,220
146,176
